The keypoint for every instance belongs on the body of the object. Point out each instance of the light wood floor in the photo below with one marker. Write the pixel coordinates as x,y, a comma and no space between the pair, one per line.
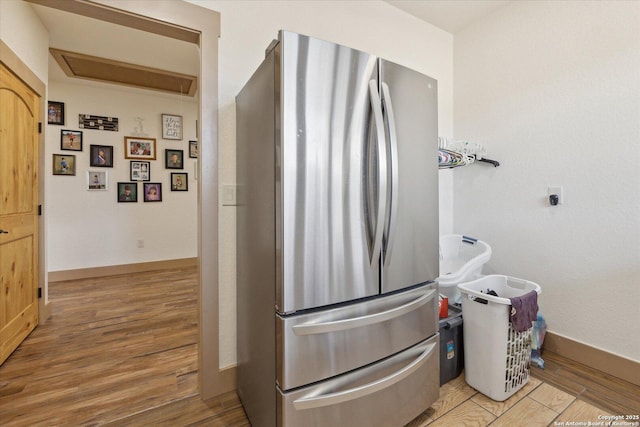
121,351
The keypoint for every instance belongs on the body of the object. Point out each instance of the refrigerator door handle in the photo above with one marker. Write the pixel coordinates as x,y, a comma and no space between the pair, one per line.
313,402
356,322
376,106
393,145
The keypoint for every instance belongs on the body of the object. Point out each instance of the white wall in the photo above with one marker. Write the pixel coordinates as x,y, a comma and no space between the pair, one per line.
90,228
373,26
552,89
22,31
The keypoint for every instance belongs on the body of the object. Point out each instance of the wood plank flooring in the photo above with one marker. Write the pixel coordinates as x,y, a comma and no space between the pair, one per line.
113,347
121,351
590,385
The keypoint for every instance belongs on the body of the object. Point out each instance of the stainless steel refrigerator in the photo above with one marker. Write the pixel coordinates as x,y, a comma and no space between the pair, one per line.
337,235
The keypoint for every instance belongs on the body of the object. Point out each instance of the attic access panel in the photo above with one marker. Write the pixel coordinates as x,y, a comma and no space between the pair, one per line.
78,65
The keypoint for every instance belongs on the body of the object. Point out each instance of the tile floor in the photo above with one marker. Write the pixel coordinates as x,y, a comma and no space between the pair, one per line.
536,404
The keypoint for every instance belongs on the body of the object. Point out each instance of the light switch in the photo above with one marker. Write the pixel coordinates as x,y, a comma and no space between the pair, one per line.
229,197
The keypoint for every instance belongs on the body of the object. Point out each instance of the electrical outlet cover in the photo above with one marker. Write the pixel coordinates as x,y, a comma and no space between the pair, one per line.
557,190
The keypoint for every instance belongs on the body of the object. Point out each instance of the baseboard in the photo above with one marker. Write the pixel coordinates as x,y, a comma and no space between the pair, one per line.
612,364
228,379
112,270
44,312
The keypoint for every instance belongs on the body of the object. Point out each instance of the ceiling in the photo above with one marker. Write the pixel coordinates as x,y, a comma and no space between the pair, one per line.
140,49
450,15
117,54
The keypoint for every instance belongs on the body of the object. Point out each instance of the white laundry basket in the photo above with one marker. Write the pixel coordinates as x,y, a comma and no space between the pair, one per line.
461,260
496,356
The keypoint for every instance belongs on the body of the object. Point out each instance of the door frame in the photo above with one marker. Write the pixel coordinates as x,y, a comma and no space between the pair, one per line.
195,24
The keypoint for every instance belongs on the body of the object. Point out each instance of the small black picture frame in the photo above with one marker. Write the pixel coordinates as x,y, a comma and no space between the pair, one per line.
140,170
179,181
152,191
174,159
127,192
71,140
193,149
101,156
55,113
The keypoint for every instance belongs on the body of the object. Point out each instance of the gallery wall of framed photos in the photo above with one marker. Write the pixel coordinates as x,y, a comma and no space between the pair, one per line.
122,170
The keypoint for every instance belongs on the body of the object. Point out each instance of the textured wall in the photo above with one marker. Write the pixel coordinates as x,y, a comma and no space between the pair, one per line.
22,31
552,89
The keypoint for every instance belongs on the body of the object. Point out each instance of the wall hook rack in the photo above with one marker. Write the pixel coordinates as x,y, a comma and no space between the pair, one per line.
495,163
453,154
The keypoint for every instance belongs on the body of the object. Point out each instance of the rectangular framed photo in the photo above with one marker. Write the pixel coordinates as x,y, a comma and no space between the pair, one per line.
127,192
64,164
71,140
55,113
179,181
193,149
152,191
97,180
101,156
140,171
89,121
139,148
171,126
173,159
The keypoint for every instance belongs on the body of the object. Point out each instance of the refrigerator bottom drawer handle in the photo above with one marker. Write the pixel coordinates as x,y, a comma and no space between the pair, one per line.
313,402
356,322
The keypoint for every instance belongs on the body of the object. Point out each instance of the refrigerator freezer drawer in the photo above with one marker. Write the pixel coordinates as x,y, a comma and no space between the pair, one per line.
312,347
388,393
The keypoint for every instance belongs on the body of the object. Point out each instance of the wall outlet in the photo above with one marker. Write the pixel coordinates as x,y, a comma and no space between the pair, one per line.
140,243
557,191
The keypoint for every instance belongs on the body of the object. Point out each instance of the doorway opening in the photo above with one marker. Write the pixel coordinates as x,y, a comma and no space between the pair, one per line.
187,22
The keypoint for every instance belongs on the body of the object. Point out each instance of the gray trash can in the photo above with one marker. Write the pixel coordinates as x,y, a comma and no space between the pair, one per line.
451,345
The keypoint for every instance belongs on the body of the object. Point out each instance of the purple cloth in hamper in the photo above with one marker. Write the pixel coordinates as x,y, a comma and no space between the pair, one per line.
524,310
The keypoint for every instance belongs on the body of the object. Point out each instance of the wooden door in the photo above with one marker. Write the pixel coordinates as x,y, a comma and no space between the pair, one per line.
18,211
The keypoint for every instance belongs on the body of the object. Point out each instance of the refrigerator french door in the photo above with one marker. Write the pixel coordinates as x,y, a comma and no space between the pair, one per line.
337,234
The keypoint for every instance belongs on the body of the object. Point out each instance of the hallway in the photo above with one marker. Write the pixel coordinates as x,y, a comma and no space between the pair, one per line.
113,347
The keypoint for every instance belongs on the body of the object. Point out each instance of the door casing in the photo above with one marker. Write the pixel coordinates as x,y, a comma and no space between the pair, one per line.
187,22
